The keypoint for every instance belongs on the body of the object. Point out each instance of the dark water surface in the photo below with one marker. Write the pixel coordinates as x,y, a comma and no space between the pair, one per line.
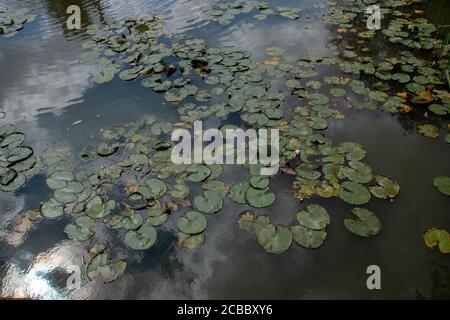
44,89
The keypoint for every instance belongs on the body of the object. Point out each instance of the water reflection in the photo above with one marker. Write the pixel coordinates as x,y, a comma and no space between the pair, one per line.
44,90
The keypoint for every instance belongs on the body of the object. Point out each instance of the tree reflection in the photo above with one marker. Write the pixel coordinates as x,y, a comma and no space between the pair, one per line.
441,284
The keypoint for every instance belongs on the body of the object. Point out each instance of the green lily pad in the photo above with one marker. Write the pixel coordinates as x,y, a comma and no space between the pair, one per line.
218,186
275,51
238,191
385,188
259,198
158,220
180,191
443,184
13,140
135,201
307,238
275,239
153,189
316,218
52,209
192,223
14,184
81,229
142,239
352,151
105,149
358,172
259,182
248,221
96,208
159,128
60,179
210,202
190,242
437,237
198,172
19,154
109,270
64,197
354,193
428,130
366,225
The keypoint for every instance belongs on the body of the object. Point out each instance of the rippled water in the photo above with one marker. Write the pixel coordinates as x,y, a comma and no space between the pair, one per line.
44,89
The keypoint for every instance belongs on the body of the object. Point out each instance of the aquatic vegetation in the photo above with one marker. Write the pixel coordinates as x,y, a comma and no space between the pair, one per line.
17,161
443,184
138,189
367,223
437,237
11,22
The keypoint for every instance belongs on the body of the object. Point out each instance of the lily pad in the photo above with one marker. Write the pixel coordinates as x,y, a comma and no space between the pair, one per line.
358,172
316,218
428,130
180,191
190,242
96,208
385,188
443,184
52,209
437,237
81,229
366,225
275,239
247,221
354,193
238,191
308,238
198,172
192,223
142,239
210,202
109,270
259,198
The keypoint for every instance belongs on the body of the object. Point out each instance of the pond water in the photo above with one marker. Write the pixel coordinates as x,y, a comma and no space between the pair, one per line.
49,96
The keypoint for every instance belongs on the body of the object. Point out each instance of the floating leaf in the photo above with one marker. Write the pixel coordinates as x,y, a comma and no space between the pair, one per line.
192,223
209,202
307,238
275,239
358,172
180,191
198,172
385,188
316,218
52,209
259,198
190,242
437,237
354,193
238,191
109,270
142,239
428,130
96,208
247,221
81,229
366,225
153,189
443,184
